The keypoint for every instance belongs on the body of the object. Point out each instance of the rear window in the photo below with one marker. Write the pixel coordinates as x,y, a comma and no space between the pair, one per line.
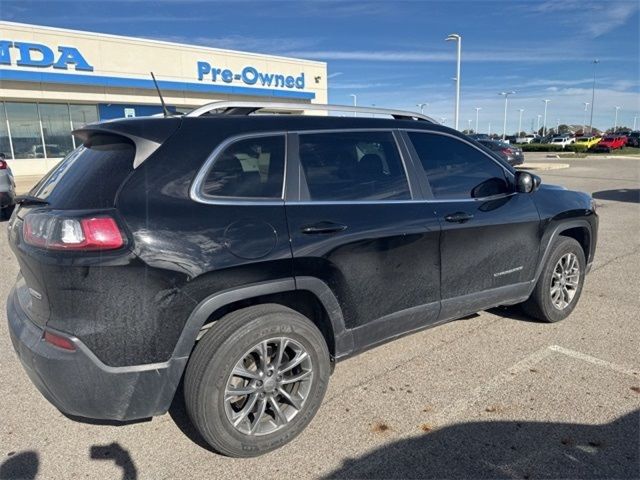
89,176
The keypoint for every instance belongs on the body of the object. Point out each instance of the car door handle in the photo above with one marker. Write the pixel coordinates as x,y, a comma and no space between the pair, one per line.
323,227
458,217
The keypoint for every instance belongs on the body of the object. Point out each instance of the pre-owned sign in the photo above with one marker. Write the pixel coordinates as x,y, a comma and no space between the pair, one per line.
249,76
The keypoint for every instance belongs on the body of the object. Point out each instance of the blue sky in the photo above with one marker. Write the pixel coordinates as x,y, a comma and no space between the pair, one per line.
393,54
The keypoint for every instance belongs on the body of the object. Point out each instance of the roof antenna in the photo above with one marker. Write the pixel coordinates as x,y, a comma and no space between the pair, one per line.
167,113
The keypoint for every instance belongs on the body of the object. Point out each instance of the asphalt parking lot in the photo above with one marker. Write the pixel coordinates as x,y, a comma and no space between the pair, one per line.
490,396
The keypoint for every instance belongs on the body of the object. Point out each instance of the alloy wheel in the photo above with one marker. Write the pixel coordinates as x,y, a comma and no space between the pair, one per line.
565,280
268,386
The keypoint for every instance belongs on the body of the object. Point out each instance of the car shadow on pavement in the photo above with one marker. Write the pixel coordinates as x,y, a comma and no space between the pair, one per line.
178,413
513,312
508,449
628,195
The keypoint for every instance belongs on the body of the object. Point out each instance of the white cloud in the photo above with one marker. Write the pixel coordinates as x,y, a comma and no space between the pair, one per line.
415,56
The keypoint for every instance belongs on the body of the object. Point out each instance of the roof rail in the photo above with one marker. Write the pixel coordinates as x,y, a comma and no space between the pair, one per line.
246,108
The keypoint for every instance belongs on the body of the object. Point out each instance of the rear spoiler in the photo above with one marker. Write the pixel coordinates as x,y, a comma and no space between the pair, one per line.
147,133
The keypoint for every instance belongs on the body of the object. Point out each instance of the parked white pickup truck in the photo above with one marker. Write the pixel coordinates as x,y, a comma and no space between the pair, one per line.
526,138
563,141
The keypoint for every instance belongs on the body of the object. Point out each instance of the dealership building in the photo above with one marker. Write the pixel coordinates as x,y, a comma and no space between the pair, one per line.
54,80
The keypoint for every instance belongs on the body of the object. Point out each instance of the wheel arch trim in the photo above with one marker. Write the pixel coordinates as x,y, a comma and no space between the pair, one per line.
555,233
203,311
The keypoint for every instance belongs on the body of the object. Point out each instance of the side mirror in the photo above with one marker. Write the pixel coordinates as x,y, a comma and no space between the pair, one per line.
527,182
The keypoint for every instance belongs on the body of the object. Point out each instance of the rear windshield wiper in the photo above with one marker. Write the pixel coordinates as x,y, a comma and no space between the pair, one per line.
29,199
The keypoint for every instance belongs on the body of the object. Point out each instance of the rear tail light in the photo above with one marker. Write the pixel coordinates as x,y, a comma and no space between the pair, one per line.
507,151
59,341
3,165
53,232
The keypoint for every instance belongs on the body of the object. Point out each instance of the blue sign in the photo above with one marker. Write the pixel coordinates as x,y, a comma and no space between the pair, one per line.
41,56
249,76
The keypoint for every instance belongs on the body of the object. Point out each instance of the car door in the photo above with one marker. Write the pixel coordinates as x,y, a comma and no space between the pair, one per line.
357,224
491,235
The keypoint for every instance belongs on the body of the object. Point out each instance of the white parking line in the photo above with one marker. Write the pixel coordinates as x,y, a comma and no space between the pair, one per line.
453,411
595,361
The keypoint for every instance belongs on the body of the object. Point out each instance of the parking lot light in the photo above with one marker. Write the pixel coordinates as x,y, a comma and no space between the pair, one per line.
615,122
544,122
457,38
477,110
521,110
506,101
421,107
593,94
355,102
584,125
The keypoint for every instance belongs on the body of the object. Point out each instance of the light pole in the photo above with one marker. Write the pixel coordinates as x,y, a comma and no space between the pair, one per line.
558,127
489,132
521,110
443,120
457,38
355,102
421,107
593,94
635,119
478,110
584,125
544,122
615,123
469,126
506,101
538,127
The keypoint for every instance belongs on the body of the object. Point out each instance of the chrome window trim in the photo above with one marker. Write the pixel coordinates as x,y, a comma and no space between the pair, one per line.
196,194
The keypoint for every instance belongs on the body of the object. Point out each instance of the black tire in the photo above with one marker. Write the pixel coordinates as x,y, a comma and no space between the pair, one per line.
215,357
539,305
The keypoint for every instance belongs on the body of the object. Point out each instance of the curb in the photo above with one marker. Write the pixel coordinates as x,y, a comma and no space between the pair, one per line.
543,166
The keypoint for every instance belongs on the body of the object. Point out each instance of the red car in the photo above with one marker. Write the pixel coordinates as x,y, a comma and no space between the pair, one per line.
609,143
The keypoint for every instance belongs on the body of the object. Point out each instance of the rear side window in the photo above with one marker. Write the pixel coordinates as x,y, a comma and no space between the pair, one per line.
353,166
89,176
249,168
456,170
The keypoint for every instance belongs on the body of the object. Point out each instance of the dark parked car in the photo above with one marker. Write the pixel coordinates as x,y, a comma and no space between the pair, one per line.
633,139
512,154
7,188
249,253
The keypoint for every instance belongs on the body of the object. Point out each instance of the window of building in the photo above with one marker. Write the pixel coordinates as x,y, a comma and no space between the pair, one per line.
250,168
56,128
5,144
353,166
25,130
41,130
456,170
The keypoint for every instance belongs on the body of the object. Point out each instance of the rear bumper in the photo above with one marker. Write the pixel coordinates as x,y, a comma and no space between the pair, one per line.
79,384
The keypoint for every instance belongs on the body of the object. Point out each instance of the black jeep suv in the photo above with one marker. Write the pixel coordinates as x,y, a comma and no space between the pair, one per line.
245,254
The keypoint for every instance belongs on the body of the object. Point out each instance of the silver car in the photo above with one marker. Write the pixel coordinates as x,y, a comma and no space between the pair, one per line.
7,189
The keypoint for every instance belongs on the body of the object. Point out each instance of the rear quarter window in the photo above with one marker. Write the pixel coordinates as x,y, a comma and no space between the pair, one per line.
248,168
